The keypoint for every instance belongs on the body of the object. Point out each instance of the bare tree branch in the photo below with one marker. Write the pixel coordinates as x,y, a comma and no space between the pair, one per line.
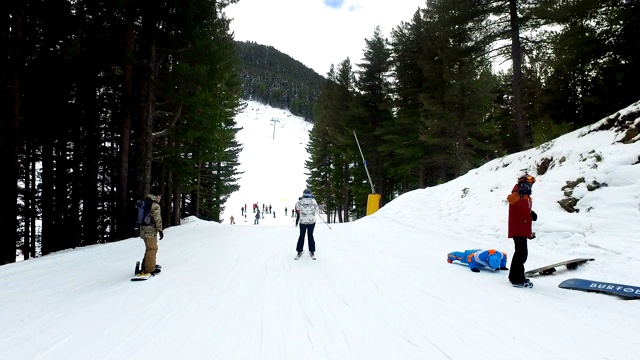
173,123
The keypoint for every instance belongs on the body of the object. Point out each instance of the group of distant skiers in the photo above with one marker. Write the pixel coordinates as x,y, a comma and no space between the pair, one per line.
295,212
256,210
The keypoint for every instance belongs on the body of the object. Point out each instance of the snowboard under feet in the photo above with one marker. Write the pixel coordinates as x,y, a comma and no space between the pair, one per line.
141,277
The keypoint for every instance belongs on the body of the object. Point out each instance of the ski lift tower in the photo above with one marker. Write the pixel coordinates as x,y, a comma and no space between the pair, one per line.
274,121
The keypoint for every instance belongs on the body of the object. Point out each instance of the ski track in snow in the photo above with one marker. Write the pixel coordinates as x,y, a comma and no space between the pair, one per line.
246,285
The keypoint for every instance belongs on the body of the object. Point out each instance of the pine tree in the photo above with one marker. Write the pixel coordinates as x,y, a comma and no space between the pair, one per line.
373,110
203,152
595,72
176,76
443,88
403,136
327,163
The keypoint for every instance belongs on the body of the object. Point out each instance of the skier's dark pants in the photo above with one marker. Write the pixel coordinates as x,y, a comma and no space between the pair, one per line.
516,274
308,228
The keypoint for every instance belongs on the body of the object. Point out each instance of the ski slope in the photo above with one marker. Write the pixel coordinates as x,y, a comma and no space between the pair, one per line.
381,287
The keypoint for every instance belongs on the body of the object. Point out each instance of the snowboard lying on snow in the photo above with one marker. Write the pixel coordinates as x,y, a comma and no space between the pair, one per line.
550,269
624,291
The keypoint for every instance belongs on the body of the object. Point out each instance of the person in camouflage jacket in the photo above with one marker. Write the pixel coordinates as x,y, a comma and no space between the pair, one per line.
149,233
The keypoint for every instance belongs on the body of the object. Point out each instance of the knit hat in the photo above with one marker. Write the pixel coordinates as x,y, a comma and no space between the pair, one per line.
306,193
523,176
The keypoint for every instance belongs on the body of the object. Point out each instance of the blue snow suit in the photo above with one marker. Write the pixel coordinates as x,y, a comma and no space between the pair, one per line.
476,258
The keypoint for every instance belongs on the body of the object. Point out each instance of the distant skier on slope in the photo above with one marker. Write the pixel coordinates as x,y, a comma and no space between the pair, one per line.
476,258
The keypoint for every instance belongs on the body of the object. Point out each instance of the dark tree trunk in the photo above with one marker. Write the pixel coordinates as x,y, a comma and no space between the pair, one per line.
73,231
148,104
166,196
195,198
146,139
422,174
63,239
47,233
516,57
111,208
89,171
33,211
343,208
123,230
176,201
28,196
9,151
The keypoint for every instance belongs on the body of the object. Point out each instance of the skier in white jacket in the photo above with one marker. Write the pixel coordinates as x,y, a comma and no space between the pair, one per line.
308,209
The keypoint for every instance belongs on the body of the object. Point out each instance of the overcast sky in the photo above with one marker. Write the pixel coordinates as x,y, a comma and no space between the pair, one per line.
318,33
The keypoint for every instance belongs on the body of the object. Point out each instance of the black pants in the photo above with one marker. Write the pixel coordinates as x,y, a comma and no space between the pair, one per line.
308,228
516,273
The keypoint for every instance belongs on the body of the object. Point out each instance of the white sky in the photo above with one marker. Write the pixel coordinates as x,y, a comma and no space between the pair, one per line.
318,33
381,287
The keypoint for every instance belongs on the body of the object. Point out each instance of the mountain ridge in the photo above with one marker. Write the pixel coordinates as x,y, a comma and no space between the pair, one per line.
274,78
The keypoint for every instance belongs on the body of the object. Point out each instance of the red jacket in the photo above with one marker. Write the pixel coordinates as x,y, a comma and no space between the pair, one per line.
519,214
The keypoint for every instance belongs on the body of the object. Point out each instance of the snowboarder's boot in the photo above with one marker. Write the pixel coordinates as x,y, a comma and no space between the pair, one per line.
156,270
526,284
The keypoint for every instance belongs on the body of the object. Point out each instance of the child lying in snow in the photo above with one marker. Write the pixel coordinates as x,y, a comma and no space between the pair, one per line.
476,258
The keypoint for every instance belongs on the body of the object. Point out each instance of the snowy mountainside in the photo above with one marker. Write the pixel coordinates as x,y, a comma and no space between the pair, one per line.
596,167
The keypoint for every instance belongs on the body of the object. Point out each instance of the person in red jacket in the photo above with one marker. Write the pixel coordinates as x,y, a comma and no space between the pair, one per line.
520,217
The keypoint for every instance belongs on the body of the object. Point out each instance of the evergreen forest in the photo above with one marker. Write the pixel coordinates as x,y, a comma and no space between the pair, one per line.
274,78
101,100
430,102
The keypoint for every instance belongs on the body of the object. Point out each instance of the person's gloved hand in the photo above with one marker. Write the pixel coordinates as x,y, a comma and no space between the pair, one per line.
504,268
534,216
475,270
161,235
